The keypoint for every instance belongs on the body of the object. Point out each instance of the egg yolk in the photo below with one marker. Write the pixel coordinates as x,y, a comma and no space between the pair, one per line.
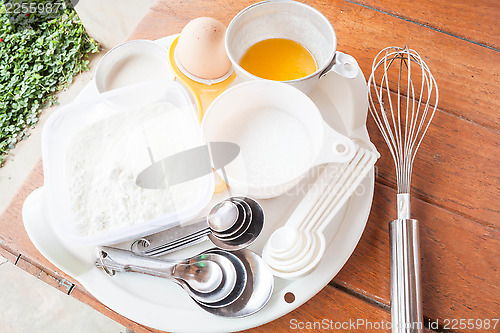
278,59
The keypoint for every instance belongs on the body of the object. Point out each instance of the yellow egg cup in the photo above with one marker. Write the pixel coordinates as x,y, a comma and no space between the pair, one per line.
203,94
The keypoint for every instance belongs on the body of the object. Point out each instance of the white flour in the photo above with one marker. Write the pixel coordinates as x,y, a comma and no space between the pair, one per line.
104,159
274,145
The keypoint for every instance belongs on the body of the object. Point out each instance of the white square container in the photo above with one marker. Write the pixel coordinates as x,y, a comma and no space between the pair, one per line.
64,123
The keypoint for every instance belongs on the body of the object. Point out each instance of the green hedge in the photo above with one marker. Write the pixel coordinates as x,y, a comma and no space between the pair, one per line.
39,55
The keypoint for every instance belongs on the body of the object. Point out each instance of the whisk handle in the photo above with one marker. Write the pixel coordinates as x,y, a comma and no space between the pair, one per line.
406,297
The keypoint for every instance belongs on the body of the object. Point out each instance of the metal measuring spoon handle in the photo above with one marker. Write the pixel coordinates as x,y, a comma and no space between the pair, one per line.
151,244
200,273
222,217
176,245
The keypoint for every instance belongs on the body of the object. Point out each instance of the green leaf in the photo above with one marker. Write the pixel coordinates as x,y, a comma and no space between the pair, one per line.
39,56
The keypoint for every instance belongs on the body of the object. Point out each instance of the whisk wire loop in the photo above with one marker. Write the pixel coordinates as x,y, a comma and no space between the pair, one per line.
402,110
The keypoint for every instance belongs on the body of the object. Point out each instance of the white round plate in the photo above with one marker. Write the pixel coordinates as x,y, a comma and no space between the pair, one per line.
161,304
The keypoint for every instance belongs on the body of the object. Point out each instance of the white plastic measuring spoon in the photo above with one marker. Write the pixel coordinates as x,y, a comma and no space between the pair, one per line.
296,248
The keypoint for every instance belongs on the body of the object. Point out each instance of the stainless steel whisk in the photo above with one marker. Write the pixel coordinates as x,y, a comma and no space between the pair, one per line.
403,97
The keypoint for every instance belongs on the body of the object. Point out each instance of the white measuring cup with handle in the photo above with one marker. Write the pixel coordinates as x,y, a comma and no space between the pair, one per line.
241,101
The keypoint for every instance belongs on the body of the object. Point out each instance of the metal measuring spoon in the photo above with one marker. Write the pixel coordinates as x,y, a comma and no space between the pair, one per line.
206,277
240,282
222,216
250,228
240,226
232,224
258,289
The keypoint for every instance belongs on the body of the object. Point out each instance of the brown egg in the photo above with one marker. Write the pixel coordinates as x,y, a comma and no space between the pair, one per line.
201,49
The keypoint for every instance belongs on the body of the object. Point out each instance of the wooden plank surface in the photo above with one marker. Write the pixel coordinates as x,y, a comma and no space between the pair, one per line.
455,182
330,304
13,236
475,21
18,249
333,310
454,249
460,260
456,157
85,297
444,154
467,74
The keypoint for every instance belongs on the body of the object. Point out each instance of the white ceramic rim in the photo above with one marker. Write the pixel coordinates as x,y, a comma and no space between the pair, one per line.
136,308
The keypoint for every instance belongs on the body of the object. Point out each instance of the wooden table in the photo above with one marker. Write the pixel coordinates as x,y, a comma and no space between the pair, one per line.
456,184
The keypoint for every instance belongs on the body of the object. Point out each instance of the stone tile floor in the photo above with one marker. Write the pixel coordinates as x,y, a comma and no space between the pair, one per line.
26,303
30,305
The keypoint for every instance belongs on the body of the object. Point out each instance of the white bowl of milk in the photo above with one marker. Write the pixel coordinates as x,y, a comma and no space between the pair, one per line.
281,135
130,63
